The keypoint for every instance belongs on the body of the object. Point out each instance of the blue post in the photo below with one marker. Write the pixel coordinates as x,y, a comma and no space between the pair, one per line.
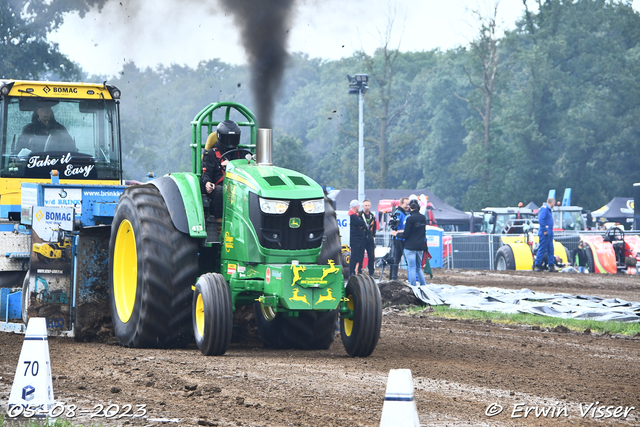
566,199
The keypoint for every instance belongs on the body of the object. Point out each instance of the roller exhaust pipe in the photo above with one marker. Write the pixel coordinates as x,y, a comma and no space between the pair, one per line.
264,147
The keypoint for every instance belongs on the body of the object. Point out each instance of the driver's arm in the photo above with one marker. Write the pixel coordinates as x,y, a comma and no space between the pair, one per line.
211,171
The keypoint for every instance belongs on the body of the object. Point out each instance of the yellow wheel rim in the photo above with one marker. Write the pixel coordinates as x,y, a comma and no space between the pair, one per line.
125,271
348,323
199,315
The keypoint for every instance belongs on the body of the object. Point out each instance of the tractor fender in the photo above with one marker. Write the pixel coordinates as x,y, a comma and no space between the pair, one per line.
521,255
181,193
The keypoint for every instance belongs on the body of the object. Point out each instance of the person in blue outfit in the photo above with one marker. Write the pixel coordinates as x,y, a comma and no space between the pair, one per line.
398,242
414,238
545,236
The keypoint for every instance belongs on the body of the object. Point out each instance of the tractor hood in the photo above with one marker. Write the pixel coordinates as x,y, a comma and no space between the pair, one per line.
273,182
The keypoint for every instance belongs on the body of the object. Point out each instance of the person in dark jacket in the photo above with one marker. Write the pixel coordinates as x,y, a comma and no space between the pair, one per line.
369,234
414,241
213,165
545,236
357,229
579,257
45,132
398,242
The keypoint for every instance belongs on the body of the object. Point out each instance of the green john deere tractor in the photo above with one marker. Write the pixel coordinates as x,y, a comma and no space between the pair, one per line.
176,272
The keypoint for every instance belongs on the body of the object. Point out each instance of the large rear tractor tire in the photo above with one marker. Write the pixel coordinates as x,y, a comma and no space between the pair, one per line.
505,259
331,244
311,330
361,332
152,267
212,314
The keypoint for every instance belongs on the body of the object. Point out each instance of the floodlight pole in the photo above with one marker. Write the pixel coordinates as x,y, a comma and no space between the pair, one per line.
358,84
361,195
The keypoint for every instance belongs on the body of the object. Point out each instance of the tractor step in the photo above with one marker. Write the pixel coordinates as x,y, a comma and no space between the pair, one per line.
214,228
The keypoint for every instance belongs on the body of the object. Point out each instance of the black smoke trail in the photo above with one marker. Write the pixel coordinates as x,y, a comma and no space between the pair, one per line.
264,30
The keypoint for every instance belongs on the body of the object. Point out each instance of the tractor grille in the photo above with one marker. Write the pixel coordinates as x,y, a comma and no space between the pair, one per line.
276,231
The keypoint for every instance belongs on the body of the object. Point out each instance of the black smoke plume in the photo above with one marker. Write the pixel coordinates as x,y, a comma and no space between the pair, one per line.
264,30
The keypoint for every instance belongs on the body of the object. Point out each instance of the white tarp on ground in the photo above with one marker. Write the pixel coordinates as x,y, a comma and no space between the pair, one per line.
527,301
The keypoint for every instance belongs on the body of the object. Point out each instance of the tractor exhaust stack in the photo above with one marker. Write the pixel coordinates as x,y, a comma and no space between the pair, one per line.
264,145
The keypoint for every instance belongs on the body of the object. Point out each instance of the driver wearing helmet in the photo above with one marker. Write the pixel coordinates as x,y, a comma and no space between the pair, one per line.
213,163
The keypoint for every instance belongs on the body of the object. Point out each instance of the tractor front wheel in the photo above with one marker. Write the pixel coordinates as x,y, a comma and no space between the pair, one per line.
152,267
360,332
212,314
505,259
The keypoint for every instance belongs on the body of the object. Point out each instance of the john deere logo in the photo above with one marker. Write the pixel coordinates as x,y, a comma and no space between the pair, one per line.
39,215
294,223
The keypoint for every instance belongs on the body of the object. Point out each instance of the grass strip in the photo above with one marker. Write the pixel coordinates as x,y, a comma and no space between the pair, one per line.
581,325
21,422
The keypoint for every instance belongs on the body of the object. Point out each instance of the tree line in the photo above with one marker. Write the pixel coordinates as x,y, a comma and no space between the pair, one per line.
553,103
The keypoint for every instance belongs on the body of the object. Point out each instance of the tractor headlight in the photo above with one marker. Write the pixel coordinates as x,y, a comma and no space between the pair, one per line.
313,206
273,206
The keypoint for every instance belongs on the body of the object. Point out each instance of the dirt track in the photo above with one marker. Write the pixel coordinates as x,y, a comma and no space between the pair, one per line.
459,369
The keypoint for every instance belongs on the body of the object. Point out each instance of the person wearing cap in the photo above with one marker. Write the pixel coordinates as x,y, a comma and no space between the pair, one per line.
579,257
414,236
225,139
357,229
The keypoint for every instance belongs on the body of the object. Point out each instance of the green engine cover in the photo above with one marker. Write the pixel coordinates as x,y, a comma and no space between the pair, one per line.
244,184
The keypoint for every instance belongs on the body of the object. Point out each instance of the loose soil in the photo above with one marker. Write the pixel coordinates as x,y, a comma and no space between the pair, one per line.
460,368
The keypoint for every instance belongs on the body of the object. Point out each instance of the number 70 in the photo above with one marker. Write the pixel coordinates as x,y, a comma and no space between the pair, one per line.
35,367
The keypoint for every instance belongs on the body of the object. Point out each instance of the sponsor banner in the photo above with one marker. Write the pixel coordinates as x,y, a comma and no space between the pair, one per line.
343,226
64,197
50,271
28,199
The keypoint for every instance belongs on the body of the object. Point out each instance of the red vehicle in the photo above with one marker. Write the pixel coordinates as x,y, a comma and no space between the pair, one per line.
613,253
387,206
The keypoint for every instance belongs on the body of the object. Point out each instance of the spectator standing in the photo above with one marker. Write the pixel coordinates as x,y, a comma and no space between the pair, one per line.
589,220
357,229
398,242
545,236
579,257
369,234
414,235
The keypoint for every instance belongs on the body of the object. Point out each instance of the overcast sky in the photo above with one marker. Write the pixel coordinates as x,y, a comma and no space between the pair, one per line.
152,32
